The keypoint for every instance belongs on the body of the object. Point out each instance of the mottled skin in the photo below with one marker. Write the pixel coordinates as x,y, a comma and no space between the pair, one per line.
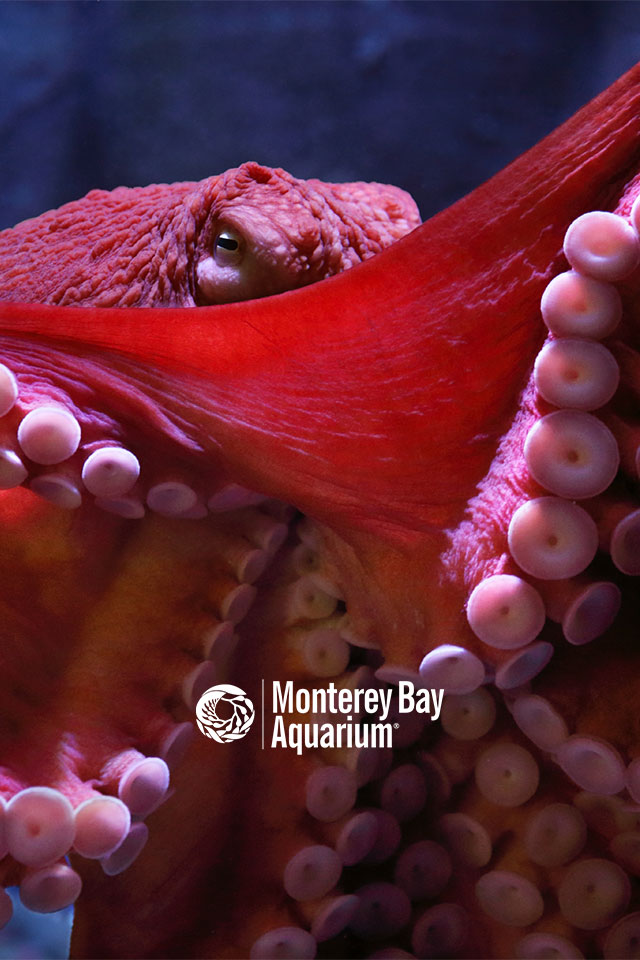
401,460
159,245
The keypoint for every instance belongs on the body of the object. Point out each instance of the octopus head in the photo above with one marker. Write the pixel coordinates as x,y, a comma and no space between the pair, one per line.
262,231
247,233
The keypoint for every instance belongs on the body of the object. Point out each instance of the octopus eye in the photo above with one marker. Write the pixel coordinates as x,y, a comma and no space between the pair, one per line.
227,248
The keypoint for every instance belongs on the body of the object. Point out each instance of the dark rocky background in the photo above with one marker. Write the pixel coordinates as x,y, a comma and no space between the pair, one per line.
434,96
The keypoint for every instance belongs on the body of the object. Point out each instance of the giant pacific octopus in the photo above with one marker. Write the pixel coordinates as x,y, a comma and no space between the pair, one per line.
425,468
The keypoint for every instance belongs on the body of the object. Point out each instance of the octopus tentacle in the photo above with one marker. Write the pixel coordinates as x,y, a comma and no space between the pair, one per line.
463,566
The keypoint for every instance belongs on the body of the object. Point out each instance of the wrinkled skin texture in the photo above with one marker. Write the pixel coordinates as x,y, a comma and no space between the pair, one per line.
388,405
157,245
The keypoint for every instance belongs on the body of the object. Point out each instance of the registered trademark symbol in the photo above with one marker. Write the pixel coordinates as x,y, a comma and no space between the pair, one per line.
396,726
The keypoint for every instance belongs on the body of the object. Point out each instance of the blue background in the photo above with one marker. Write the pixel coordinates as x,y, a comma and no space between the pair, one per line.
434,96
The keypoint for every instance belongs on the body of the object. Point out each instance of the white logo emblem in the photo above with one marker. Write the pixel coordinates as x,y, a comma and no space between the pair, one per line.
236,709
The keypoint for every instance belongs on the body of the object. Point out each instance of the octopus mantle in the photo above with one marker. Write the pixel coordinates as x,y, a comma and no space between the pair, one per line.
384,481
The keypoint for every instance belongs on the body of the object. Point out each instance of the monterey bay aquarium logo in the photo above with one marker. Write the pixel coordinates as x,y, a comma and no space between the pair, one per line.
337,716
224,713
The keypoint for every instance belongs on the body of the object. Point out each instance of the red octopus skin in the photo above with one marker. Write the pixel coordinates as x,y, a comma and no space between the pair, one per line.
144,246
375,404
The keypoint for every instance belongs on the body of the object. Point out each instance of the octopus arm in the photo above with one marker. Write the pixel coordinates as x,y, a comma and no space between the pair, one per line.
384,404
423,347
